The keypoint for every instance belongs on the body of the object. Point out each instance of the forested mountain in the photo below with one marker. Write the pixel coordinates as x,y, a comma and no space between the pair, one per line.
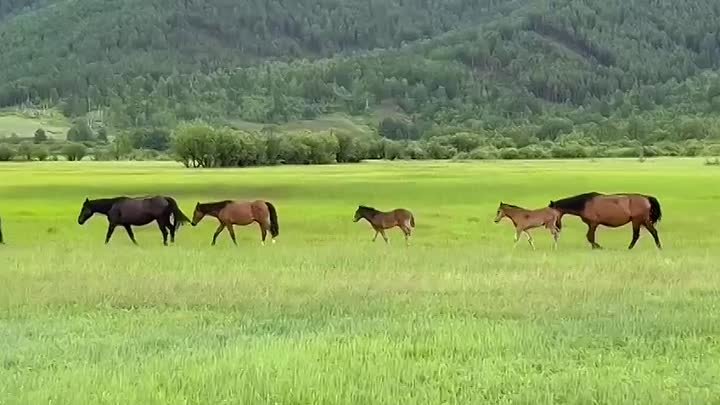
605,68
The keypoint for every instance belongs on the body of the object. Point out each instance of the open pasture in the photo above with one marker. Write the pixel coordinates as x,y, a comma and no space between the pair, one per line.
328,317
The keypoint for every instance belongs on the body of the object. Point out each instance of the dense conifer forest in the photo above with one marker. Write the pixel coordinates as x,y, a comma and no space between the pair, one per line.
431,78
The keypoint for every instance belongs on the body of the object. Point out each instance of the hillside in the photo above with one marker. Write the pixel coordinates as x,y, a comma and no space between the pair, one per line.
607,68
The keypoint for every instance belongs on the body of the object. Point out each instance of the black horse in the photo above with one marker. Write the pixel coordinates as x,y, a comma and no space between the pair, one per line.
128,212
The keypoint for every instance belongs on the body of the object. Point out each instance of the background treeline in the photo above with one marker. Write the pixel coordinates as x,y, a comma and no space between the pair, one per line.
201,145
535,71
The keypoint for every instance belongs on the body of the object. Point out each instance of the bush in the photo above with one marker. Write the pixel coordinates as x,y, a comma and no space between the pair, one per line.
7,153
41,152
80,132
569,150
484,153
534,152
436,150
74,151
352,148
155,138
25,150
509,153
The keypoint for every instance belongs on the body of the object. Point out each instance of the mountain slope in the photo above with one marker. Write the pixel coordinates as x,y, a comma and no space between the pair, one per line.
581,61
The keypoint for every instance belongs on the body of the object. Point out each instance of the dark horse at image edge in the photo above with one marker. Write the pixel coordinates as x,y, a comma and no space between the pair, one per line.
2,241
613,211
128,212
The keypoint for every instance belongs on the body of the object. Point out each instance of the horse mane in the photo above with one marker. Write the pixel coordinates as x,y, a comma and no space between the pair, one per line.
106,202
366,208
213,206
574,203
511,206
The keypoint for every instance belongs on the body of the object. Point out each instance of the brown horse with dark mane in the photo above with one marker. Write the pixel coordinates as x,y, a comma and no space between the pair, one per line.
242,213
613,211
380,221
128,212
525,220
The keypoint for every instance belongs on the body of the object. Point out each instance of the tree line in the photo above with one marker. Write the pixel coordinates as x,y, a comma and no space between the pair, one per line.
201,145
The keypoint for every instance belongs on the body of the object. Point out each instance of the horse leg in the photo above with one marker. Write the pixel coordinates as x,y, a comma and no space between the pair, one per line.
232,233
163,229
530,239
556,235
406,230
518,233
171,228
592,227
130,233
377,232
635,234
108,235
382,232
263,232
217,232
651,228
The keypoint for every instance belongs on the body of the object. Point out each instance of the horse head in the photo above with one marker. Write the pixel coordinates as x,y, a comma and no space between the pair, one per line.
85,212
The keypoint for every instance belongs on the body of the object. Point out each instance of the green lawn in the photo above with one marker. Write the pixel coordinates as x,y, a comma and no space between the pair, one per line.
327,317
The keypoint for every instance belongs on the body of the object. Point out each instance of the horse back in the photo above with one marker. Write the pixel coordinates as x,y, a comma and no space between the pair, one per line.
618,209
244,212
402,215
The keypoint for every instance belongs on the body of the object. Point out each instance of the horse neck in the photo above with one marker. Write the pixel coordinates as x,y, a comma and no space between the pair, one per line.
212,211
101,206
369,215
511,212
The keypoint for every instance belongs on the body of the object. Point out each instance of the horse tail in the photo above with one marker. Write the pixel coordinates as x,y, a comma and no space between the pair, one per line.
655,210
412,220
178,215
274,225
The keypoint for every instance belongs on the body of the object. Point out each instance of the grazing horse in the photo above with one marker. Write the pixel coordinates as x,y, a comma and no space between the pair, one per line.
128,212
525,219
242,213
613,211
380,221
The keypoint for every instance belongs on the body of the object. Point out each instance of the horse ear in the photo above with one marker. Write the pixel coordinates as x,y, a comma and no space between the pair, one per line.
87,199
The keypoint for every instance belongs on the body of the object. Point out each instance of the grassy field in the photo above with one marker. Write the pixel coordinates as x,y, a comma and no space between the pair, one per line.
55,125
327,317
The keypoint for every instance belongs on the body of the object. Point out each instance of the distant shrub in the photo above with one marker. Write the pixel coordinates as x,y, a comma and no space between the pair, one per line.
484,153
41,152
74,151
7,153
509,153
25,150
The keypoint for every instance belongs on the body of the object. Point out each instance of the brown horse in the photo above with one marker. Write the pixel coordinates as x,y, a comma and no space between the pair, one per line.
241,213
613,211
380,221
525,219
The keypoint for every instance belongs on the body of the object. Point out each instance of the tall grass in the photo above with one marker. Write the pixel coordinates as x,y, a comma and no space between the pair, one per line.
327,317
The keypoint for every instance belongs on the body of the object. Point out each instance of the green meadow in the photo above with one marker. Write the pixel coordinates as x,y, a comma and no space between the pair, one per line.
325,316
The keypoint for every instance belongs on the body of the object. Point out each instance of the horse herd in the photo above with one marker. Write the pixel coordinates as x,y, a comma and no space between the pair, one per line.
594,209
